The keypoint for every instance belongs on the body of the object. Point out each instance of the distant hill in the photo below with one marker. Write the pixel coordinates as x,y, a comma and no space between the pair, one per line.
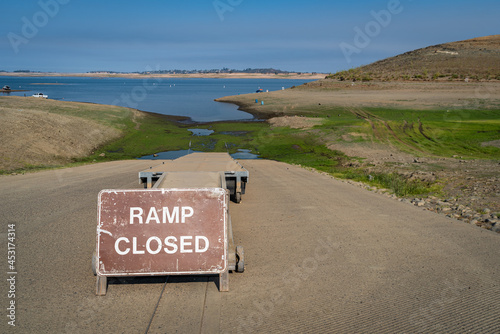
475,59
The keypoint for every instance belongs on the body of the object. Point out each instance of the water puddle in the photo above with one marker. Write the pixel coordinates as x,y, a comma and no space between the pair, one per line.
168,155
245,155
201,132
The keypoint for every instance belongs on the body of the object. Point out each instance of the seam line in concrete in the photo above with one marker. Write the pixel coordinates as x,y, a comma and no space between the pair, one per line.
156,306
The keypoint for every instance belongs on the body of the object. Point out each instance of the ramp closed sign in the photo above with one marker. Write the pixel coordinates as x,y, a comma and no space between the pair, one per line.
161,232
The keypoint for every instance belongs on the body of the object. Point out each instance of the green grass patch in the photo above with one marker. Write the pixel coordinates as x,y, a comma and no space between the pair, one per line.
294,146
153,134
29,168
425,132
403,187
396,183
420,132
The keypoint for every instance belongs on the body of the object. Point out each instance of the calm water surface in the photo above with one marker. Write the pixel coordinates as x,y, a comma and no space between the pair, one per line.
192,98
242,154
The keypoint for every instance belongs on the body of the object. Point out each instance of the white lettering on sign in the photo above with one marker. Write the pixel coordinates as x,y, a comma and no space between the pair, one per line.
197,244
154,245
134,247
171,244
117,249
148,245
176,214
185,243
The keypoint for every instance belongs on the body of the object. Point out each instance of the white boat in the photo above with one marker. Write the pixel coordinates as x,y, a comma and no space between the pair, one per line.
43,96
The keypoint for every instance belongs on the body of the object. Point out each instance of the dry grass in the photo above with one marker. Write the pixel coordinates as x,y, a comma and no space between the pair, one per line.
44,132
474,59
295,122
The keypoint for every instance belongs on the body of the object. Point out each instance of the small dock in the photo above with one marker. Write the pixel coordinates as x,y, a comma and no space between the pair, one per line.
236,176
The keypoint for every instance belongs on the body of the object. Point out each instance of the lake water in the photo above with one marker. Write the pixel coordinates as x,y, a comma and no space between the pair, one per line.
242,154
192,98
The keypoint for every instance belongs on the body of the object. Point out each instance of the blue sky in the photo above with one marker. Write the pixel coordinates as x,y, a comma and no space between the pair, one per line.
308,36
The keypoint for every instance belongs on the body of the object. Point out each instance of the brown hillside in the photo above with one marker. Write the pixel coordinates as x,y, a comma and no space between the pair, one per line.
475,59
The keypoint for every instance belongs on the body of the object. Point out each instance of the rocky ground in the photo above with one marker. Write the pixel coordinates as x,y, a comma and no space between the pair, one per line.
451,207
471,188
470,195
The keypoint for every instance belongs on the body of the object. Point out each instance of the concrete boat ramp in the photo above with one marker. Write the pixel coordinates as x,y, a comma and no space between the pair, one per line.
321,256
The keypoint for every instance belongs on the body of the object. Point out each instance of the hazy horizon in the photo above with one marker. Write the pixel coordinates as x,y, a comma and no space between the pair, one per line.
317,36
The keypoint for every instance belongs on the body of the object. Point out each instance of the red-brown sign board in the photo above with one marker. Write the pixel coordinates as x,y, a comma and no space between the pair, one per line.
162,232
